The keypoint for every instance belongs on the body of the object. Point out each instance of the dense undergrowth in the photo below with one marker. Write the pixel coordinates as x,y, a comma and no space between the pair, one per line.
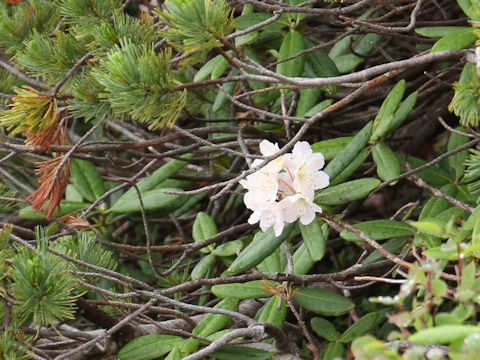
138,136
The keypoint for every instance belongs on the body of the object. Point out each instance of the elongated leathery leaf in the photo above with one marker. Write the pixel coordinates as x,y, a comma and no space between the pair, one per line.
148,183
313,238
379,230
86,179
149,347
346,192
383,120
360,327
203,228
350,152
249,290
331,147
444,334
271,313
457,40
323,302
152,200
387,163
292,44
263,244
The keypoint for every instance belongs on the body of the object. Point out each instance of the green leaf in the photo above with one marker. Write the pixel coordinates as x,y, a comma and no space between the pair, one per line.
350,152
312,236
192,200
457,161
152,200
203,266
351,168
245,21
360,327
247,38
235,352
207,69
367,347
436,205
66,207
392,246
472,219
403,110
457,40
379,230
445,334
215,322
318,108
346,192
433,174
221,99
292,44
308,98
210,324
388,166
383,120
229,248
432,226
476,236
439,31
272,263
86,179
221,66
470,8
204,227
323,302
71,194
149,182
271,313
346,63
335,351
321,65
263,244
331,147
149,347
175,354
324,329
302,261
248,290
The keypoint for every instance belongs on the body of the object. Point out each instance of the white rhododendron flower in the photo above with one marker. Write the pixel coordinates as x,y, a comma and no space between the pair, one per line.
299,207
269,214
283,190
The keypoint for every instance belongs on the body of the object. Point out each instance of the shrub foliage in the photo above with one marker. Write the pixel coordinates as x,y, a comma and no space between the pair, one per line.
129,127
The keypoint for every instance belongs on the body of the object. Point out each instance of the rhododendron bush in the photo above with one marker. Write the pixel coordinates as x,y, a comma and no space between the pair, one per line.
239,179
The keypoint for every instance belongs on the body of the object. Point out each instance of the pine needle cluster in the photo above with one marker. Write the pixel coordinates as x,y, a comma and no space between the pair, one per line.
44,290
465,103
197,26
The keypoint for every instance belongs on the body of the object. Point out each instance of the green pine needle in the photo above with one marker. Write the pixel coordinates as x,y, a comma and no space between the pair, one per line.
110,31
50,58
197,25
18,21
42,286
138,82
85,248
12,345
465,103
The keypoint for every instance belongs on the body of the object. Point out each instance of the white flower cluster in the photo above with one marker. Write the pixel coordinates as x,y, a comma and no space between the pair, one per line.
283,190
